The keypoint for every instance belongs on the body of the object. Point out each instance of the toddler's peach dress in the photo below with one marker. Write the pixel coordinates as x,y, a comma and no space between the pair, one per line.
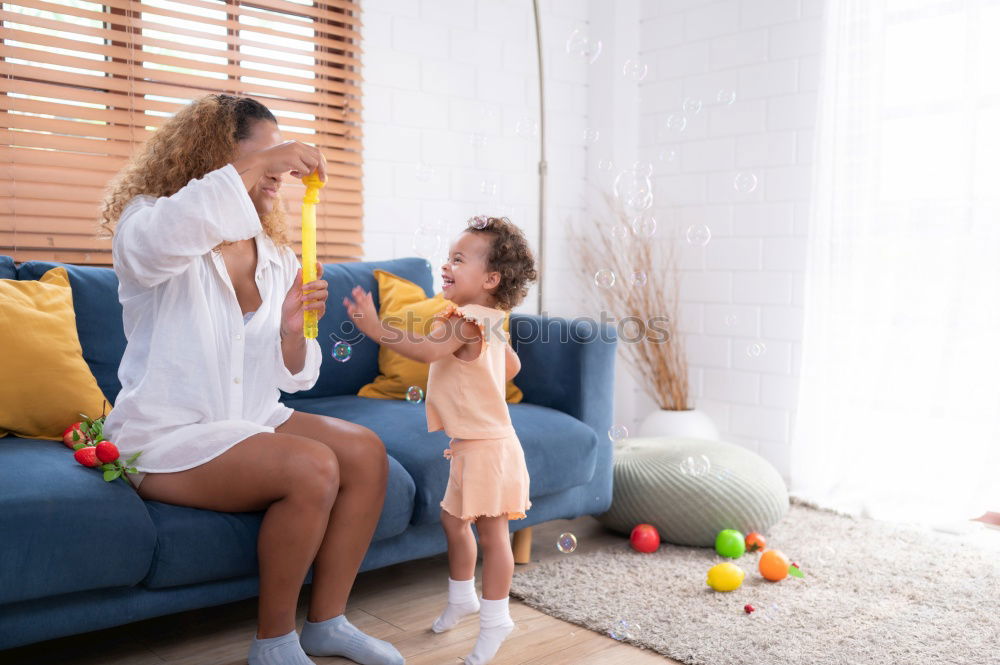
466,398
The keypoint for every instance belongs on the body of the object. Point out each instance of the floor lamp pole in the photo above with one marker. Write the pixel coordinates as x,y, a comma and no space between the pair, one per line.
543,166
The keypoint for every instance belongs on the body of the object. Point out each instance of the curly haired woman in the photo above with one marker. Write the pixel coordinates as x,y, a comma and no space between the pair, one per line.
213,310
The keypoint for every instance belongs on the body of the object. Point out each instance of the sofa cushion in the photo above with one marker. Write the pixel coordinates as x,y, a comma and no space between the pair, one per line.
64,528
7,269
347,378
561,451
98,318
40,352
195,545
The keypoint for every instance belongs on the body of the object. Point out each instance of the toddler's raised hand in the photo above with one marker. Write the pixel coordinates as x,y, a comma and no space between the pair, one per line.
361,310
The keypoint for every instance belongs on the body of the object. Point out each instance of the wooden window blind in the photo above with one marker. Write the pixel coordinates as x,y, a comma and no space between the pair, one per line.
85,83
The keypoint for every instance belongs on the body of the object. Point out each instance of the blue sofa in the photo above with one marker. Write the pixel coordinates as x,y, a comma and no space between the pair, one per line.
79,554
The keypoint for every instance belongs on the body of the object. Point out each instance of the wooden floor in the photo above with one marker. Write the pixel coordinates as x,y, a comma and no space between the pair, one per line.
397,604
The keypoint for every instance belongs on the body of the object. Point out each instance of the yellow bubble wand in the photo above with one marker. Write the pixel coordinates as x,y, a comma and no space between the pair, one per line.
310,324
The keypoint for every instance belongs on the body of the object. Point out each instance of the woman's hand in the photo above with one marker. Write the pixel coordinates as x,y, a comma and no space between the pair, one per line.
299,159
297,301
361,310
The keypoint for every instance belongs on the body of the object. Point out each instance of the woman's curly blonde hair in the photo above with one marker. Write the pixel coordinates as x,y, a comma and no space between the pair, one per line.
198,139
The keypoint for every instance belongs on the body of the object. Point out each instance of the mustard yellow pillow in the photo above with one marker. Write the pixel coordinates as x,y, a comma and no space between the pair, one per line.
47,383
406,303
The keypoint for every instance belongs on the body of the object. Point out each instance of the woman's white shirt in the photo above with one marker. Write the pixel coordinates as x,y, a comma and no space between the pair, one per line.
196,379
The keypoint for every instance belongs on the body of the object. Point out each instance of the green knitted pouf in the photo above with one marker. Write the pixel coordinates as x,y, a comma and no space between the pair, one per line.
690,489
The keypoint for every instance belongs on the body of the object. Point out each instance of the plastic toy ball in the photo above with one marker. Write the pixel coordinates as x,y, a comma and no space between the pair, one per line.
729,543
725,577
645,538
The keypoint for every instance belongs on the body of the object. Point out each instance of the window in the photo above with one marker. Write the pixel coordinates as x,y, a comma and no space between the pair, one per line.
84,84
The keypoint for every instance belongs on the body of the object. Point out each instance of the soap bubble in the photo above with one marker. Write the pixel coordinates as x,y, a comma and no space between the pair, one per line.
604,278
580,45
526,128
745,182
414,394
477,139
634,189
756,349
731,320
644,226
667,155
635,70
677,123
428,239
622,630
566,543
605,165
342,352
643,168
825,554
479,221
488,187
618,433
698,234
425,172
591,135
619,231
695,466
638,278
725,96
692,106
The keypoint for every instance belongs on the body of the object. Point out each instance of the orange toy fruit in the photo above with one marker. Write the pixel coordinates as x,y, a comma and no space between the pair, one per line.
773,565
755,542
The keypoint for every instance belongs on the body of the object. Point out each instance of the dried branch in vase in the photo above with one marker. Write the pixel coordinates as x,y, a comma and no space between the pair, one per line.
636,280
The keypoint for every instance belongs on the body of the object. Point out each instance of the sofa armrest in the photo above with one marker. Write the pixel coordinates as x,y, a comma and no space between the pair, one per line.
568,365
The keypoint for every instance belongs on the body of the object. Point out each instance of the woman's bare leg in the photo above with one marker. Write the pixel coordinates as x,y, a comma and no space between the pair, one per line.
293,478
364,469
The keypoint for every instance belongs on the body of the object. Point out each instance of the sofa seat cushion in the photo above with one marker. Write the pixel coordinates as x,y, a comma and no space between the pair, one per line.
195,545
64,528
561,451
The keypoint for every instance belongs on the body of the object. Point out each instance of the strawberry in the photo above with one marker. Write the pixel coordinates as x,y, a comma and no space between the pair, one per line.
68,435
87,456
107,451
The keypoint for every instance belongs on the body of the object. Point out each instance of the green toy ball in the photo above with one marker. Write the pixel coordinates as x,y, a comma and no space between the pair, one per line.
730,543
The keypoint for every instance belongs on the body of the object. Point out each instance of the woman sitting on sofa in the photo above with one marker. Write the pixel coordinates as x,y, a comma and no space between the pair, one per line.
213,302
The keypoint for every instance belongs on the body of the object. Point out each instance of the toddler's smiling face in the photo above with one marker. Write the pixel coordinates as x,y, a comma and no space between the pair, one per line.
466,276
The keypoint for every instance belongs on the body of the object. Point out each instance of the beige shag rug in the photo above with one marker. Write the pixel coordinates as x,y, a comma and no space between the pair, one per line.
873,593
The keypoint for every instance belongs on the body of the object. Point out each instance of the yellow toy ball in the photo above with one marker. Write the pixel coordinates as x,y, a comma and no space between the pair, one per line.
725,577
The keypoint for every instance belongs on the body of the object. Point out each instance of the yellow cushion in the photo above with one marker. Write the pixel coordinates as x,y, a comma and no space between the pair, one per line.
46,382
397,298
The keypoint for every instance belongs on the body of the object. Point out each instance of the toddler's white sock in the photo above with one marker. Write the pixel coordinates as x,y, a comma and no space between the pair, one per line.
494,626
462,601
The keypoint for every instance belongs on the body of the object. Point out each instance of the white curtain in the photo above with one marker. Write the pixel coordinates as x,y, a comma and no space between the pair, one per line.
899,404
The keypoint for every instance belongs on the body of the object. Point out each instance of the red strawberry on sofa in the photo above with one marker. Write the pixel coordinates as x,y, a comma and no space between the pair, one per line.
87,456
107,452
68,435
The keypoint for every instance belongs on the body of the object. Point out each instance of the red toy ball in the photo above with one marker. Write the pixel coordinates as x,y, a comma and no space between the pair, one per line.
645,538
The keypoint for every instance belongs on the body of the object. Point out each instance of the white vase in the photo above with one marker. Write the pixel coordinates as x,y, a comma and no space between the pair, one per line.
691,423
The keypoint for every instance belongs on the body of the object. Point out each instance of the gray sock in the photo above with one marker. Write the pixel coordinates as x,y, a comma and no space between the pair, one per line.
281,650
339,637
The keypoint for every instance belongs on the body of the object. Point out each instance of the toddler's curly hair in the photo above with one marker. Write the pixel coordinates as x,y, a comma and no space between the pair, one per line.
510,256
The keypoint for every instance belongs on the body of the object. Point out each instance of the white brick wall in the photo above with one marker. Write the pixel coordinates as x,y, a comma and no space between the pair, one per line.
443,76
447,84
745,286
